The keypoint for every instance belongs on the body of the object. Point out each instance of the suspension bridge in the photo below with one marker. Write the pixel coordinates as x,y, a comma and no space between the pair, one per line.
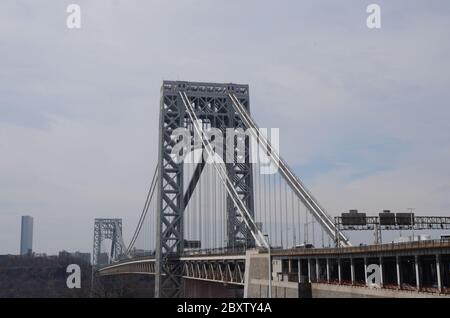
224,207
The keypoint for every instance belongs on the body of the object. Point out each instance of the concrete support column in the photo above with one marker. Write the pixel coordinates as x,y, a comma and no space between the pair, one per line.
289,266
352,270
299,270
399,272
438,272
365,271
328,270
381,272
317,270
309,270
339,271
417,267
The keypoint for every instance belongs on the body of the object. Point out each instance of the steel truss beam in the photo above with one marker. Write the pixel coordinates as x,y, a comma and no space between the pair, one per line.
222,271
227,271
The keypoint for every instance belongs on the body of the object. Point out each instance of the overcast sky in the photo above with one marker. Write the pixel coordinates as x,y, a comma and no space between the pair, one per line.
364,114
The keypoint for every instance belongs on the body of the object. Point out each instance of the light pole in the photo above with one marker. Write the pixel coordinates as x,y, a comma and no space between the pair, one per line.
270,266
411,210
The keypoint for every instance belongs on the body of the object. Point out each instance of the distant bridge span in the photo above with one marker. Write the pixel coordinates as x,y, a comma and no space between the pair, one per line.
226,269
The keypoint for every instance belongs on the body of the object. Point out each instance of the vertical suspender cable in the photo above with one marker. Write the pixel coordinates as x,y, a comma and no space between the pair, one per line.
240,206
265,197
286,214
269,195
280,210
275,208
318,212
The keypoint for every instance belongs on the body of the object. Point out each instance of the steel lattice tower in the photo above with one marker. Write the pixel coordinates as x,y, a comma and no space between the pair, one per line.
105,229
213,106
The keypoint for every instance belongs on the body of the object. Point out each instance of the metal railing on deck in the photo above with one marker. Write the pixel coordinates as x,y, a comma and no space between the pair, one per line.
404,246
223,251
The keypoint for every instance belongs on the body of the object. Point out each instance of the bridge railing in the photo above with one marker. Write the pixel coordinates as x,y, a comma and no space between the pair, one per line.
428,244
216,251
225,251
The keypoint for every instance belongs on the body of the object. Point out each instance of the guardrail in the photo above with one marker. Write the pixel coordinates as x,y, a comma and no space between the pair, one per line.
404,246
223,251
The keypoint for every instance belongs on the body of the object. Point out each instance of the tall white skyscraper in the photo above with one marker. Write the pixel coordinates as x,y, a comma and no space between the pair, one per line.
26,237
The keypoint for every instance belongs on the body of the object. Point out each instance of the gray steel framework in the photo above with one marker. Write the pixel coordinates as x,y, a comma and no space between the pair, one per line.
225,271
107,229
419,223
213,106
219,270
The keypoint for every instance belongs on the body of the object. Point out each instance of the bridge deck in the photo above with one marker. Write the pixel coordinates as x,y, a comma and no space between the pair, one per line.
318,264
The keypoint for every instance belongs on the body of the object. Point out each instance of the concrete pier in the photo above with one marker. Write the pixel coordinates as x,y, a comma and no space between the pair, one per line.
257,281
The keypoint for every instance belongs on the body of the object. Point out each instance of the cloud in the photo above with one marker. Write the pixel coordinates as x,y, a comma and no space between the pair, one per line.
364,112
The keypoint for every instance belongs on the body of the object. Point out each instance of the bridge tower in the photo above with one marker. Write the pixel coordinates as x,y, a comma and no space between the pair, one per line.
214,108
105,229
